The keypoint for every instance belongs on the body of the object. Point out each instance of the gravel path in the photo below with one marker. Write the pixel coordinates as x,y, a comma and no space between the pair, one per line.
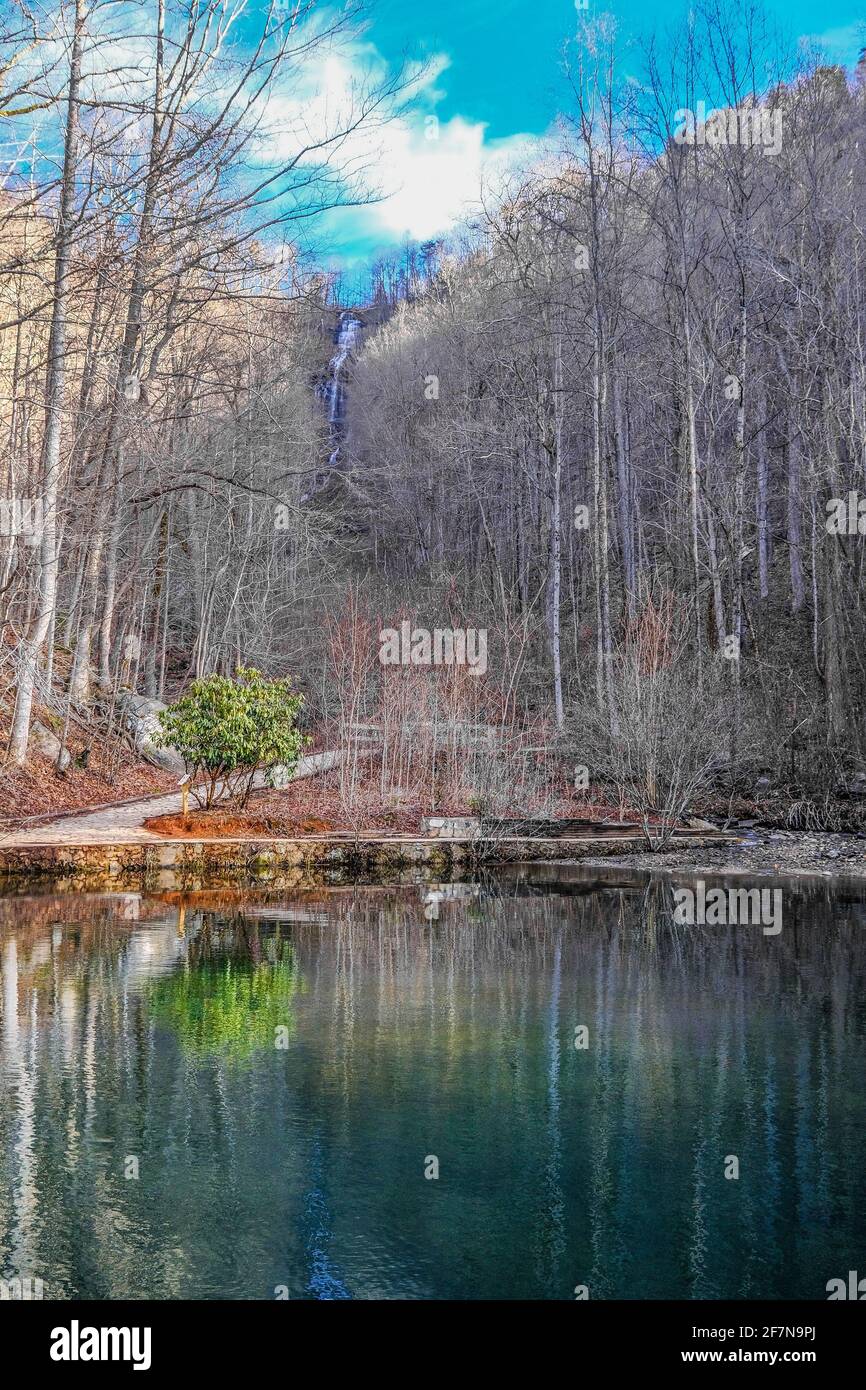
124,824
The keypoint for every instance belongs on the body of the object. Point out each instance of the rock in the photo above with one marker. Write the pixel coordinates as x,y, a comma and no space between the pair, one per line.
451,827
140,716
695,823
48,744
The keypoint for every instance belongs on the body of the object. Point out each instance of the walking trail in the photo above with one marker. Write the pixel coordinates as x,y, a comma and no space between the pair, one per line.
124,824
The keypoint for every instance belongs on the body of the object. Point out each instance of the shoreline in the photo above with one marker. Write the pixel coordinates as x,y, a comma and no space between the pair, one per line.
786,853
91,865
131,861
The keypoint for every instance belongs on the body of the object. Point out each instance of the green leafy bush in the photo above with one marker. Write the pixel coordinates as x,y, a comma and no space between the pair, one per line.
226,730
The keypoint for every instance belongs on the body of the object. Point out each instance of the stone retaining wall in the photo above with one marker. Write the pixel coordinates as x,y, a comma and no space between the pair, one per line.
211,863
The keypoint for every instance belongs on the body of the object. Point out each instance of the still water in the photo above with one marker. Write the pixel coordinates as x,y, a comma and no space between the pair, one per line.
245,1095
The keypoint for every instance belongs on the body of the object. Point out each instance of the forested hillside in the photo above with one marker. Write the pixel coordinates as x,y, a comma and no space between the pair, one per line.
632,417
617,423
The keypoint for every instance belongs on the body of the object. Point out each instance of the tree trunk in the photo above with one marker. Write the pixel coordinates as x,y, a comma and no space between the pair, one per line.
54,400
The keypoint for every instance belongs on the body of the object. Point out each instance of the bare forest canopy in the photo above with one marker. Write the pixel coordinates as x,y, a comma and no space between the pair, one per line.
619,426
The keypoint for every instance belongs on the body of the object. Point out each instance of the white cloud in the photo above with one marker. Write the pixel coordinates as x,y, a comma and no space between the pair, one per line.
432,174
427,171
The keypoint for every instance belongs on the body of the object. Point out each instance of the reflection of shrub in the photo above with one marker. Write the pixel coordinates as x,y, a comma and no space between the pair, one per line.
227,1007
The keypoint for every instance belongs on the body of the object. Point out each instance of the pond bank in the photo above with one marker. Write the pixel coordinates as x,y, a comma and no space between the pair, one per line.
154,863
757,851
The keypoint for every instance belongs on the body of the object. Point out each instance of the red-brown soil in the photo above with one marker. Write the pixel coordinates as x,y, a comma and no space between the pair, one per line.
312,806
201,825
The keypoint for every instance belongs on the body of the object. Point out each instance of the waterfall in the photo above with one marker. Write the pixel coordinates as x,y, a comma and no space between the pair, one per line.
347,337
334,392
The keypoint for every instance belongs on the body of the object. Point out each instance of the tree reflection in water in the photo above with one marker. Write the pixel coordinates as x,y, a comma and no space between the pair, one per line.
146,1026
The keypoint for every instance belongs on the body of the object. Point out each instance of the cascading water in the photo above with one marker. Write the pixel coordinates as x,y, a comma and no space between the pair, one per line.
347,337
334,391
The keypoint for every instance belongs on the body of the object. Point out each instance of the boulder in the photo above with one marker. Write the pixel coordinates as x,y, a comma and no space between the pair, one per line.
48,744
139,714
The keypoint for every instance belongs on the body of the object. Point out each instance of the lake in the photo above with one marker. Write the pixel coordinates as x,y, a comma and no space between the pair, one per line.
523,1087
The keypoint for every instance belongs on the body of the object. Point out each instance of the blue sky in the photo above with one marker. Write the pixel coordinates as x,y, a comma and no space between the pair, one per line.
495,88
485,102
503,53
